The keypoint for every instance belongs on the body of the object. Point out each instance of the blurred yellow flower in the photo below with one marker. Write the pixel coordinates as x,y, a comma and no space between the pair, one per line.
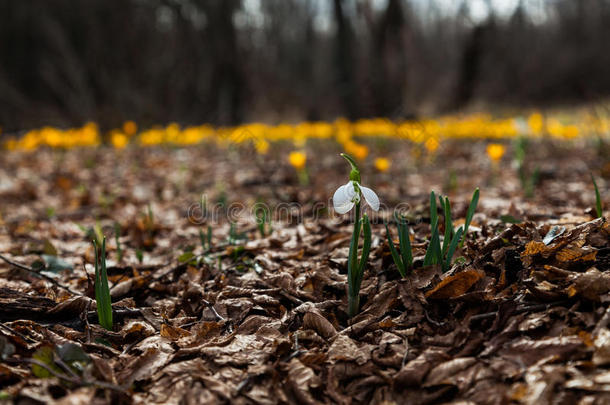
261,146
119,140
382,164
428,133
495,151
11,144
361,152
357,150
130,128
536,123
297,159
432,144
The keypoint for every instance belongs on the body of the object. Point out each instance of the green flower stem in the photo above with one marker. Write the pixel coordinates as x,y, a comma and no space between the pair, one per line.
353,296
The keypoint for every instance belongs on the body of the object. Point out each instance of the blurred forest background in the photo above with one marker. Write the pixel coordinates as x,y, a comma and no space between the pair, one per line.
64,62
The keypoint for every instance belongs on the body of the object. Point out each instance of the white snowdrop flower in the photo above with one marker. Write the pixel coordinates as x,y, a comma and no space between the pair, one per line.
348,195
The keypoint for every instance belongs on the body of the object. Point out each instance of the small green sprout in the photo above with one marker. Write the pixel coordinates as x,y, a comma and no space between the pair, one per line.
474,201
345,198
234,236
140,255
528,180
435,254
404,261
204,206
598,199
206,240
263,222
151,218
102,292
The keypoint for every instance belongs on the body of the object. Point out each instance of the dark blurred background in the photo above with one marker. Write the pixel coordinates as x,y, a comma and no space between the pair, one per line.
64,62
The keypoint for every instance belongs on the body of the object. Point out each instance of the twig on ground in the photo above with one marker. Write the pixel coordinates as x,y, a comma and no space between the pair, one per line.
296,352
520,310
120,313
75,380
31,270
211,307
13,331
242,385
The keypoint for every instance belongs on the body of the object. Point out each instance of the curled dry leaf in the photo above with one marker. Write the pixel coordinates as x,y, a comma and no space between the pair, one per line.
414,372
592,285
315,321
345,349
302,379
155,353
456,284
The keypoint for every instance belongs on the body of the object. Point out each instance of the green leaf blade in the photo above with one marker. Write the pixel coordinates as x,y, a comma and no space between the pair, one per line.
452,248
598,199
102,291
405,244
448,225
397,261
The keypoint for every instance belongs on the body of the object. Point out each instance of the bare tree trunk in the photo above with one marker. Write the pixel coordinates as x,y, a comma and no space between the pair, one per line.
345,62
227,81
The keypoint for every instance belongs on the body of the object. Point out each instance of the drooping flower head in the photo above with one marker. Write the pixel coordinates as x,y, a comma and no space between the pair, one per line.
349,194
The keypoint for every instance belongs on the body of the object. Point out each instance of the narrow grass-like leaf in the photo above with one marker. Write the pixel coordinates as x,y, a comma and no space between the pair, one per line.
436,243
405,244
102,292
431,256
202,239
452,247
474,201
433,213
448,225
397,260
151,218
441,203
598,199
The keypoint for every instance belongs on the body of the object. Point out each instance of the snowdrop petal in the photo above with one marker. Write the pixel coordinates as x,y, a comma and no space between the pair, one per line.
370,197
343,198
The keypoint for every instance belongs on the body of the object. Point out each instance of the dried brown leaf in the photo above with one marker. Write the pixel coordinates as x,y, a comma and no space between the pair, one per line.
315,321
456,284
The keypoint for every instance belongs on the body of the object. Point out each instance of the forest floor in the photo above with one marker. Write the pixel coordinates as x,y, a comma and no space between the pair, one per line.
522,316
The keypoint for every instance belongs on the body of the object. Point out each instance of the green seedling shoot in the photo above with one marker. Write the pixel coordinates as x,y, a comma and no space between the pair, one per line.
263,222
404,260
206,240
102,292
474,201
528,180
442,255
598,199
435,254
345,198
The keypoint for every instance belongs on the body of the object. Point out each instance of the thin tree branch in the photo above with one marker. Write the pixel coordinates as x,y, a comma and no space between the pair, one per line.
47,278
